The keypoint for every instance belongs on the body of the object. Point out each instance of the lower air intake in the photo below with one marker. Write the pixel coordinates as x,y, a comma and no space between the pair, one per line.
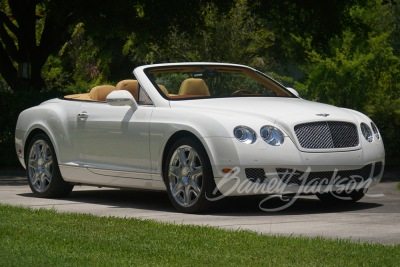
294,177
255,174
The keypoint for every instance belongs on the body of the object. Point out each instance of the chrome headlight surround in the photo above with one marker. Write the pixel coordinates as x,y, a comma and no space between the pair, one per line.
375,130
272,135
367,132
245,134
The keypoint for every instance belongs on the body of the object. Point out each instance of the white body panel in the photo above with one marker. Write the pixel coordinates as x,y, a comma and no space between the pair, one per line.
118,142
117,147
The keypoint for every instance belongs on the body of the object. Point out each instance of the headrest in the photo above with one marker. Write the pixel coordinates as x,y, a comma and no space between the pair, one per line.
129,85
165,91
99,93
193,86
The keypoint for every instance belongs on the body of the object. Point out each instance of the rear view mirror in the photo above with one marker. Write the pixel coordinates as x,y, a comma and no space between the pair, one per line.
122,98
199,74
293,91
205,74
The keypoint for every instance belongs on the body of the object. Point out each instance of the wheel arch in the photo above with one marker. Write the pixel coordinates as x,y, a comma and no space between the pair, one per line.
35,130
175,137
54,120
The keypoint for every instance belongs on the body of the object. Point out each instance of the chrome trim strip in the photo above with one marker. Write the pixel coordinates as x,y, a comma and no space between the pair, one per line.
104,169
71,166
117,99
111,170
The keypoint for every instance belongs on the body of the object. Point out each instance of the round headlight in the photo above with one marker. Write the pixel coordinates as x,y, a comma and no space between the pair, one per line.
375,130
366,131
245,134
272,135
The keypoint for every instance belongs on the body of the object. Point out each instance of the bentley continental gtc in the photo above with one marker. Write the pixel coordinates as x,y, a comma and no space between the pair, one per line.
200,131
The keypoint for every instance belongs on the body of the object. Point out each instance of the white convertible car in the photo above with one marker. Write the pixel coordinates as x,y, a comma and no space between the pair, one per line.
200,131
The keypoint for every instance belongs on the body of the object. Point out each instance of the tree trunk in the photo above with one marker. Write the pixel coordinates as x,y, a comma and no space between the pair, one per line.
36,82
7,70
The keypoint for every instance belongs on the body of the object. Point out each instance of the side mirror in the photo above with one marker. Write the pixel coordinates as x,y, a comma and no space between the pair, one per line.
122,98
293,91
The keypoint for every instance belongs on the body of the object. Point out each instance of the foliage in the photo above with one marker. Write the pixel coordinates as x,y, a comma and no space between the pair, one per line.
321,20
30,31
360,74
54,74
84,62
66,239
87,60
3,85
234,37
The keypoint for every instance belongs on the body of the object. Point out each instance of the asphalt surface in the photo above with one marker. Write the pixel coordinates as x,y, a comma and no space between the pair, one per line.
373,219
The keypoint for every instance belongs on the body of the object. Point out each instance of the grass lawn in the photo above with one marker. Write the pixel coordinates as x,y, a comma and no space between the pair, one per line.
398,186
47,238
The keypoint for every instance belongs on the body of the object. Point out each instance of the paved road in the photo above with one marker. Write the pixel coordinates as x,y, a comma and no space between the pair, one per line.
373,219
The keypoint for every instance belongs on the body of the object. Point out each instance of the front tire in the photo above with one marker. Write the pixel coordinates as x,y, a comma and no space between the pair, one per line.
43,173
189,178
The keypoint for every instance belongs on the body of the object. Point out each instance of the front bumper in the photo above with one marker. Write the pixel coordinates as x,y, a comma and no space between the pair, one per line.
19,145
238,184
227,153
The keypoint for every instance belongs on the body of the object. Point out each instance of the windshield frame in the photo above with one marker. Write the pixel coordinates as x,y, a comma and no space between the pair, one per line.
207,65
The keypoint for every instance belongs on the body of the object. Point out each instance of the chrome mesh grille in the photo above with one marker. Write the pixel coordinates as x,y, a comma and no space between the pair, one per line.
326,134
294,177
255,174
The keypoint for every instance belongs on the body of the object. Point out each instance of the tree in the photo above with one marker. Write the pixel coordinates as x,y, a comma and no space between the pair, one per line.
18,33
361,74
315,19
236,36
30,30
322,20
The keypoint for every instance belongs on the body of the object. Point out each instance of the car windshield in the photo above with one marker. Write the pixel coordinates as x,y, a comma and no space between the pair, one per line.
190,82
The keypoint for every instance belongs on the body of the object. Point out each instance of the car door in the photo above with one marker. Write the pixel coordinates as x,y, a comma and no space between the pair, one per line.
114,140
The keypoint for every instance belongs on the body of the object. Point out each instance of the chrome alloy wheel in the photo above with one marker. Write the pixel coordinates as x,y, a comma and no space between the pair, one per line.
185,176
40,164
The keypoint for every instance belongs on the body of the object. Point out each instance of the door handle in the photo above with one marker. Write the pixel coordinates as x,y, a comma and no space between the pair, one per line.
83,115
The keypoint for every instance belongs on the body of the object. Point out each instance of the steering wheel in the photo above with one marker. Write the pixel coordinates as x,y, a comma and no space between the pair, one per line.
242,91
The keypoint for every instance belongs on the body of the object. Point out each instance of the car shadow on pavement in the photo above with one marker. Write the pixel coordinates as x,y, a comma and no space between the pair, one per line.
240,206
233,206
13,181
116,198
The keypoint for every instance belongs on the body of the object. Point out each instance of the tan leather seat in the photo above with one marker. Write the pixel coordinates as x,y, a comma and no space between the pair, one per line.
99,93
193,86
165,91
129,85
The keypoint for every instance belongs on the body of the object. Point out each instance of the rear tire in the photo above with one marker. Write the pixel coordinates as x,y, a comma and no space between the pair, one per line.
189,177
42,171
343,197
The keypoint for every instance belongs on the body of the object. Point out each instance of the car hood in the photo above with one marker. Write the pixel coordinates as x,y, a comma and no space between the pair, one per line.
269,108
